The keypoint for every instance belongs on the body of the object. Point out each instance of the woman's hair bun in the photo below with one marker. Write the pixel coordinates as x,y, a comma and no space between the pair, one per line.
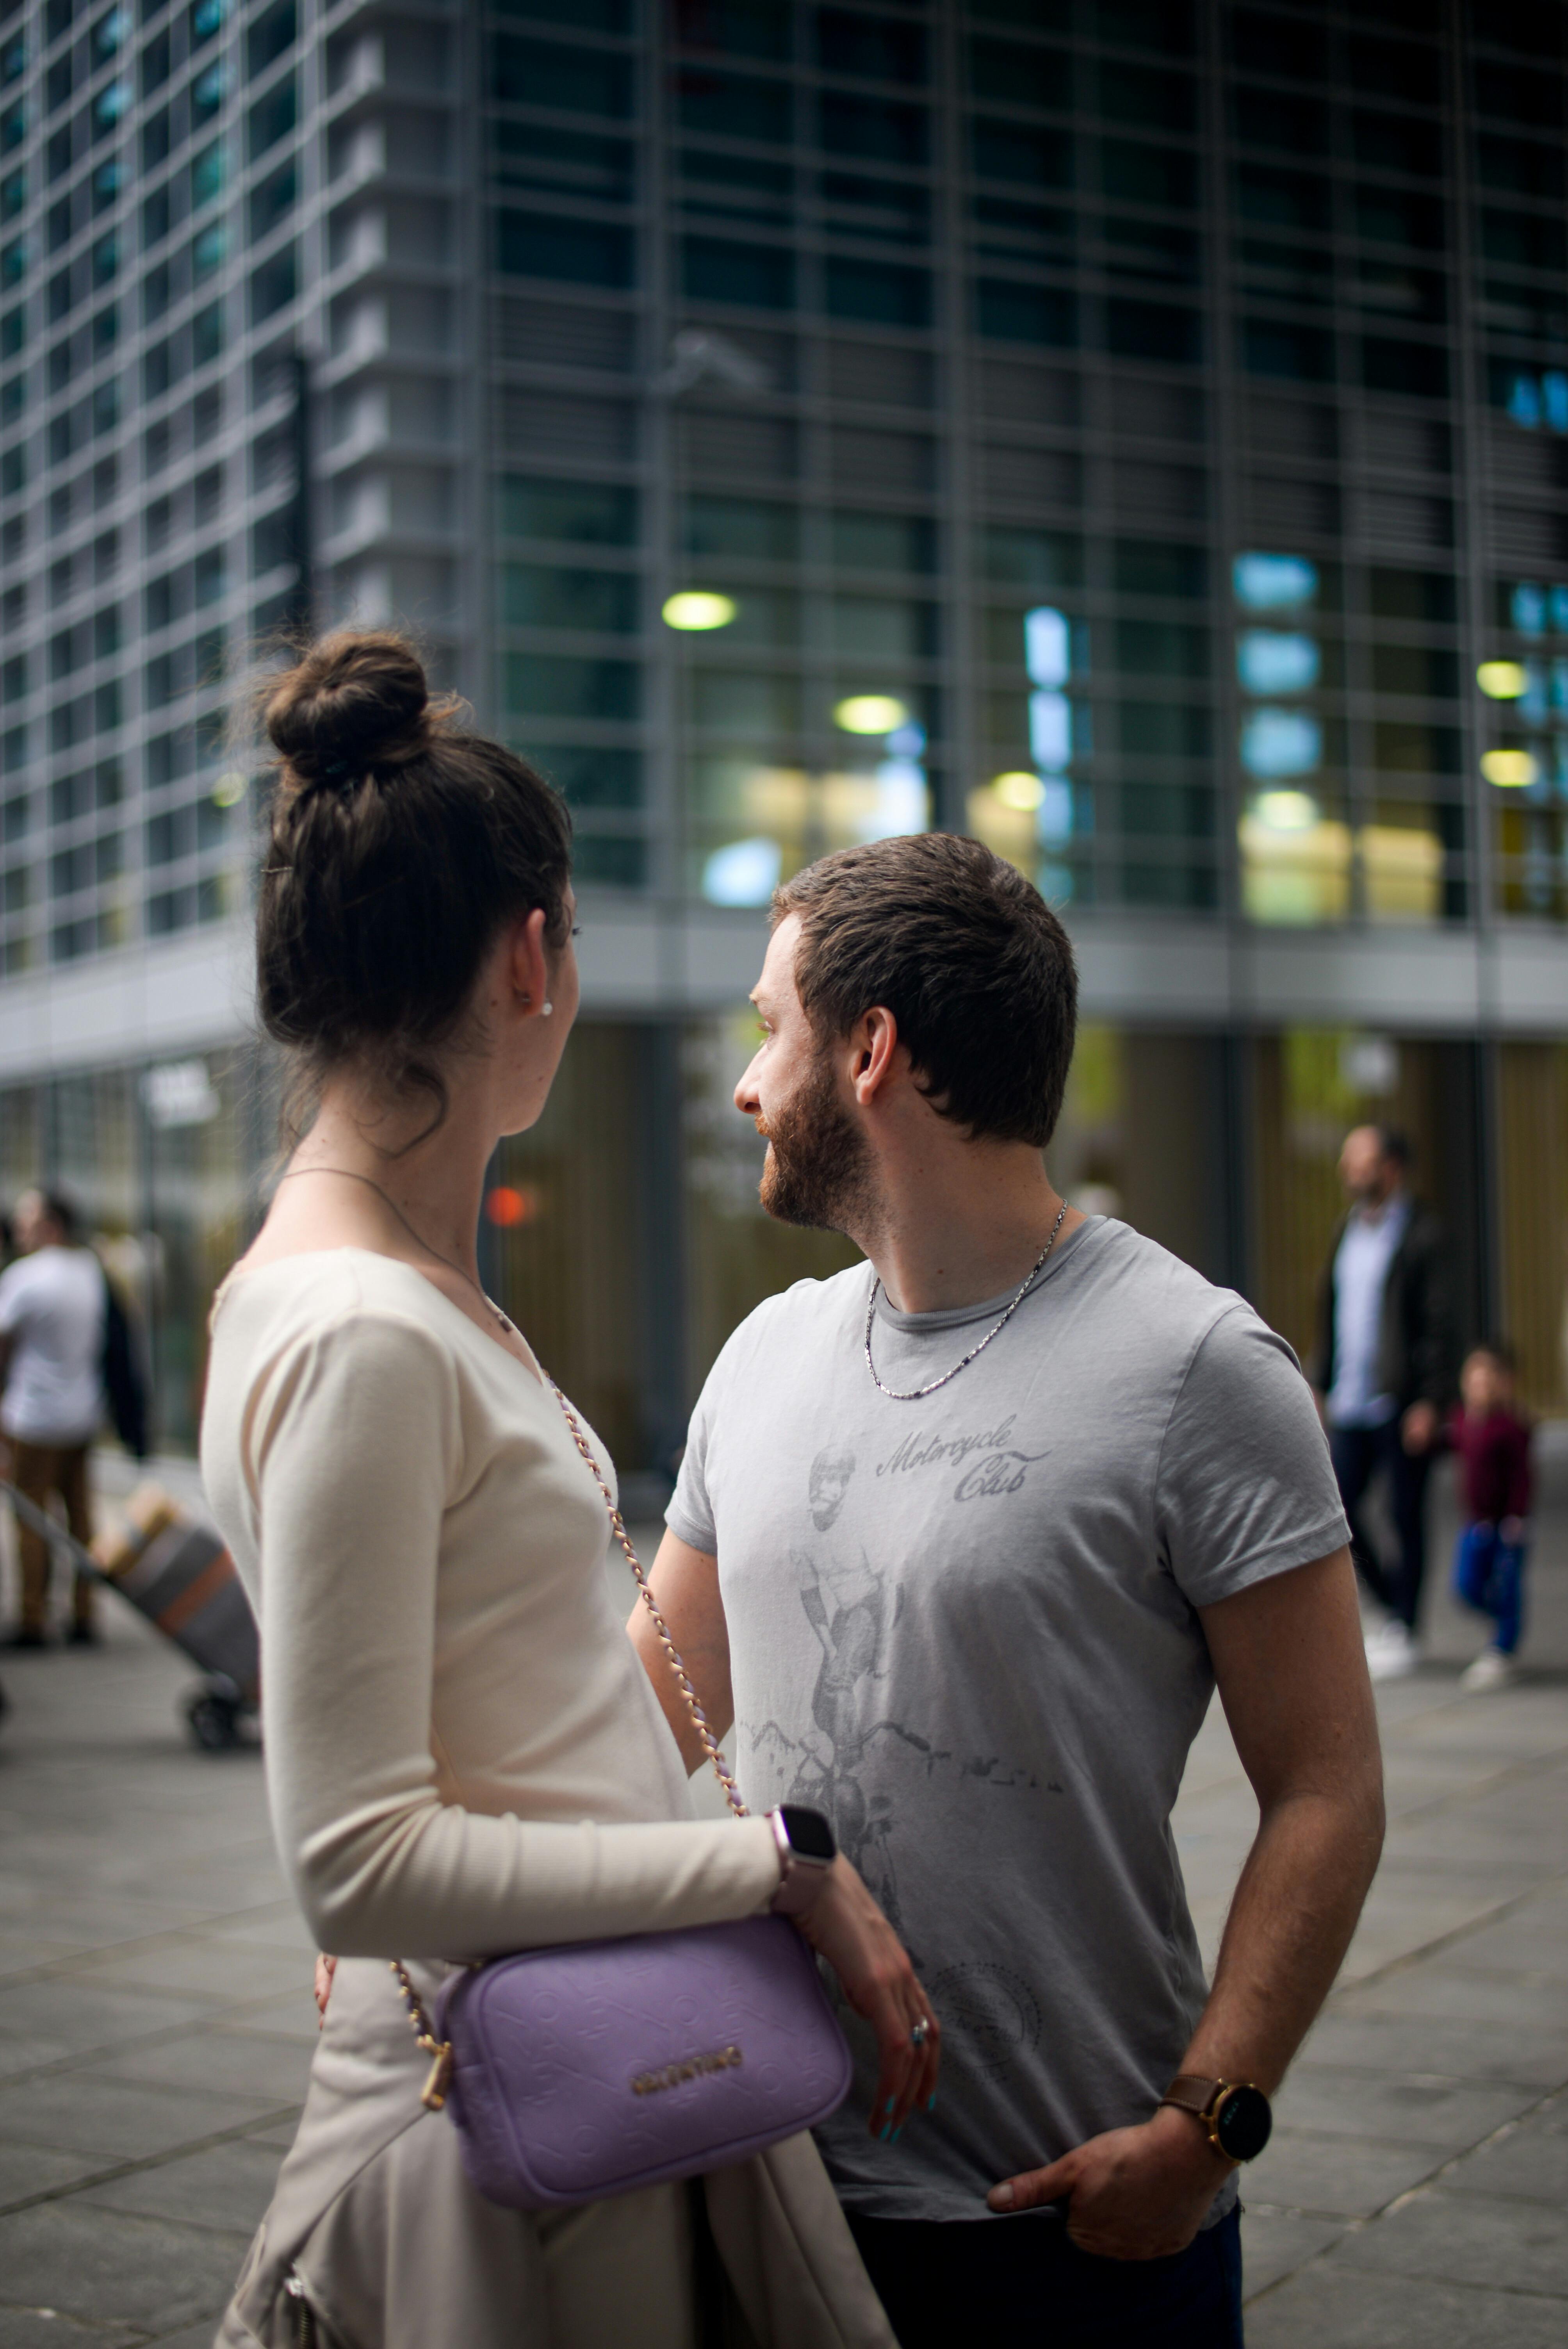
355,701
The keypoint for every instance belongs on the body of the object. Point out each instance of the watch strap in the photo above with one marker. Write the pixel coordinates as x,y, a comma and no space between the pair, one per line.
800,1879
1192,2094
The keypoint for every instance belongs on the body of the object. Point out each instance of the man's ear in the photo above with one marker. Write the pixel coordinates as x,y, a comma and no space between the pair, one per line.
875,1045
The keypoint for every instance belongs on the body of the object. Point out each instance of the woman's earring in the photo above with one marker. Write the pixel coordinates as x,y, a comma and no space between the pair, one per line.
546,1010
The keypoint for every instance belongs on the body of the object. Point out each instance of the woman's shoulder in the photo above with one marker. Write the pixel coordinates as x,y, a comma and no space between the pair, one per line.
349,1300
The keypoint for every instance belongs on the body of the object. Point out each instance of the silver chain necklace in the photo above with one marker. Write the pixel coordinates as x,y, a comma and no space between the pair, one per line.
348,1175
916,1393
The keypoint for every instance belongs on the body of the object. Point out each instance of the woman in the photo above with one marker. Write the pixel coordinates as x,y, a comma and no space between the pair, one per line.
464,1755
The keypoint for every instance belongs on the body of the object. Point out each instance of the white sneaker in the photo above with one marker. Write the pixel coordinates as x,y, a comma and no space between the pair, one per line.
1391,1652
1491,1669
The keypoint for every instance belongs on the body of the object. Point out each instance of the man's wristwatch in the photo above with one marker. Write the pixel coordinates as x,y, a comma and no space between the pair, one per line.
1237,2118
806,1849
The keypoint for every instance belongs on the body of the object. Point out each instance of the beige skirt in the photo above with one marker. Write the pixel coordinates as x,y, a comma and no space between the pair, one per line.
374,2238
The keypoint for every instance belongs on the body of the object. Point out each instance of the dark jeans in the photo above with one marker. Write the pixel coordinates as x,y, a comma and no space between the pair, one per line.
1360,1454
1019,2283
1488,1576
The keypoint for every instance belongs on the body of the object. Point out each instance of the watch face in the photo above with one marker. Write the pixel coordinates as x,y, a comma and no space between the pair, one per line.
1243,2123
811,1837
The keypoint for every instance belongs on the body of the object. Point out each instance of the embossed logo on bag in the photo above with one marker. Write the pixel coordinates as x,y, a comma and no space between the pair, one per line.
722,2059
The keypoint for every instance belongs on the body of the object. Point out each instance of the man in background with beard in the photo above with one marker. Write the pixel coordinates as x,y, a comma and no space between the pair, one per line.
1096,1485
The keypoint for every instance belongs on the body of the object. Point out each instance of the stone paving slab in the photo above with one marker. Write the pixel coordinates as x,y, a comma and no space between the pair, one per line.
157,2023
1328,2306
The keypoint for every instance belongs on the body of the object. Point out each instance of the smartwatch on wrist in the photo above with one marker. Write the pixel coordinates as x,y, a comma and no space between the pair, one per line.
806,1849
1236,2118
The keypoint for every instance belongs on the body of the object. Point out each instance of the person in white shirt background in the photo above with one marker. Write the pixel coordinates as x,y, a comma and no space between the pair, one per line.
53,1305
1384,1367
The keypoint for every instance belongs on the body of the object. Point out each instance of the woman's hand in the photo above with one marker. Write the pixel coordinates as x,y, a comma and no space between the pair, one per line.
325,1968
845,1926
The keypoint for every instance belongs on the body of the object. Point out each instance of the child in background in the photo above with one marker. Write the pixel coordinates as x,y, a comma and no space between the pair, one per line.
1493,1441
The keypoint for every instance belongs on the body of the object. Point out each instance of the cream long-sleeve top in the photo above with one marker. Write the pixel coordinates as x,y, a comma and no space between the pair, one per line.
463,1753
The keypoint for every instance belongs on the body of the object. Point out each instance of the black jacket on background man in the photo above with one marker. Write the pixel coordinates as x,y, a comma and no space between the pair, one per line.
1418,1352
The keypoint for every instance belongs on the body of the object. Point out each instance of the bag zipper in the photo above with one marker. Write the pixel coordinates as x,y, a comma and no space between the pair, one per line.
303,2328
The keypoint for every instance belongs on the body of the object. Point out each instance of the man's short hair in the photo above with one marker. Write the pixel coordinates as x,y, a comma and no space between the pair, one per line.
968,957
61,1210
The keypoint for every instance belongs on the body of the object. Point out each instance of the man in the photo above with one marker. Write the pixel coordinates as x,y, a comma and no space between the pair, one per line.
1083,1484
53,1302
1383,1365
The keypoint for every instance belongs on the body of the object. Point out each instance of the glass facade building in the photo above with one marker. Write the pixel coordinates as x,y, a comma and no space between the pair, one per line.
1135,431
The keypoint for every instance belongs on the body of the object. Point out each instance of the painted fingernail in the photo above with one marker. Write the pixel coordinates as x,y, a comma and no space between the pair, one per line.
889,2104
898,2133
884,2133
931,2104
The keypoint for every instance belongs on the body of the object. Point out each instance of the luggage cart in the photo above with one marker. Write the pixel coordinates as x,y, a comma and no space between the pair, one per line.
182,1579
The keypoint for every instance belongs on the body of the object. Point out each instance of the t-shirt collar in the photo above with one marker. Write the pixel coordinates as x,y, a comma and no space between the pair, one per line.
954,1315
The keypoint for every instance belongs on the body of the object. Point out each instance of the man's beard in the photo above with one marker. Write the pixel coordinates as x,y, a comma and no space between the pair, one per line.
817,1169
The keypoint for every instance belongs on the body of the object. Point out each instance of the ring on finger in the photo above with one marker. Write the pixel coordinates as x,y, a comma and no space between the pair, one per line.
920,2033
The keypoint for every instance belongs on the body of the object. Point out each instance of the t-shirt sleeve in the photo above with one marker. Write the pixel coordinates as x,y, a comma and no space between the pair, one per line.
1244,1488
690,1515
14,1288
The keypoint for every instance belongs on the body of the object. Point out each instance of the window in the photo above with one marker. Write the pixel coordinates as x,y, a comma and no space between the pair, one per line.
605,602
273,117
525,154
1150,567
204,19
209,174
873,130
560,686
874,290
583,252
1013,312
270,36
544,73
1133,94
273,286
751,528
757,277
874,542
273,201
1272,347
1417,370
1010,151
1021,76
874,48
1145,174
207,92
1034,559
734,105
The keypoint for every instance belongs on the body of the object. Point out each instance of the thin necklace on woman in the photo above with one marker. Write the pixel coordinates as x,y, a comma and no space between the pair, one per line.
915,1394
349,1175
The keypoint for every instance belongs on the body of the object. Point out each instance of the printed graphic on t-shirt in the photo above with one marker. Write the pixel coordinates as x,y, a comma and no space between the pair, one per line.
853,1760
990,1462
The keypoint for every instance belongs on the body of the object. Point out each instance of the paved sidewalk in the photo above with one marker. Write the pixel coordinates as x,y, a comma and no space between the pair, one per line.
155,2022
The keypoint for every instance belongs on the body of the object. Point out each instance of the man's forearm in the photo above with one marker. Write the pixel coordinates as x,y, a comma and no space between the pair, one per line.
1295,1908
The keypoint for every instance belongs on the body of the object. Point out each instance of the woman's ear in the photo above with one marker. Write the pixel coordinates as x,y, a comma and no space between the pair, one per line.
526,970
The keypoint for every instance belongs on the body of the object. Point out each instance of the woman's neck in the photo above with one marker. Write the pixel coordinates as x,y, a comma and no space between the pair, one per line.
430,1183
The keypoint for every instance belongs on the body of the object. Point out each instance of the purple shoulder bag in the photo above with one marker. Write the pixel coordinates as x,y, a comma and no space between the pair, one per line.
576,2073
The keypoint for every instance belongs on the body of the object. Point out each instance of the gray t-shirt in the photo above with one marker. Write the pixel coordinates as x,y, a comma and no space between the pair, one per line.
965,1627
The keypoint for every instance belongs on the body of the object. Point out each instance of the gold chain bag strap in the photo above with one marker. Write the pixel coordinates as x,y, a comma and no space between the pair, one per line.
440,2050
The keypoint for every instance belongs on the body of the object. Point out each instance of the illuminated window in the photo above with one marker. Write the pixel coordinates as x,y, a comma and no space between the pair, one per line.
1273,583
1269,661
